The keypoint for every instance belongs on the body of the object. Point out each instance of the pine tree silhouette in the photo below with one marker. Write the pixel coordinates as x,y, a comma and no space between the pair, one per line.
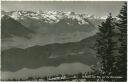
105,45
122,58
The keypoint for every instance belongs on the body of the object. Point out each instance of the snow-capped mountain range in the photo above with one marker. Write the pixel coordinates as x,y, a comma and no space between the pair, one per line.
50,16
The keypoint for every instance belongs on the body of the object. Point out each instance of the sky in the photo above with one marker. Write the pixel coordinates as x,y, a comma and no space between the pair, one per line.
97,8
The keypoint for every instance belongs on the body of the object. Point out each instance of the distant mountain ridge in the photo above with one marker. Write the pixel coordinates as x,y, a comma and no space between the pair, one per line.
33,18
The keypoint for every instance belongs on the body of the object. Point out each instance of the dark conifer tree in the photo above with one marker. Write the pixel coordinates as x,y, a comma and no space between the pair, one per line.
122,58
106,45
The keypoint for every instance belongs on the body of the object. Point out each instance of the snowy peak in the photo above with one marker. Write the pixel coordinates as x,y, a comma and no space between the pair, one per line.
5,17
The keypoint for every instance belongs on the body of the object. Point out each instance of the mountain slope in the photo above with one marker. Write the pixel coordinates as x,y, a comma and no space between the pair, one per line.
11,27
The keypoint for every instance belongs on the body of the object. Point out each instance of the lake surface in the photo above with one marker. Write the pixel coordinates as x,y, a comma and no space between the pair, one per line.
66,68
